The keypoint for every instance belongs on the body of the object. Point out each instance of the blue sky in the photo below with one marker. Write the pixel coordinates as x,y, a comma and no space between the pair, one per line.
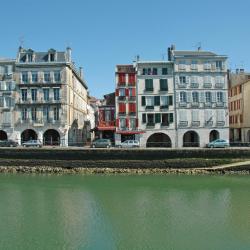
109,32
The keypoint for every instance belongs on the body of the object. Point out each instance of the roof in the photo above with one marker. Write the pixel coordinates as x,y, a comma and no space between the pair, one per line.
195,53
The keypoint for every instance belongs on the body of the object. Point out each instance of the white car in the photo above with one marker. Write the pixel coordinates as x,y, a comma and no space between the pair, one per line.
130,144
32,143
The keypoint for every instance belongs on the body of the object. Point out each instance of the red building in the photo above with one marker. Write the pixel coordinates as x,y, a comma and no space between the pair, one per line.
126,104
106,118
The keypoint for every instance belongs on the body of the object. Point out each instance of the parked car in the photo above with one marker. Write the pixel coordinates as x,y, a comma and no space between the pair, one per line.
219,143
33,143
101,143
130,144
8,143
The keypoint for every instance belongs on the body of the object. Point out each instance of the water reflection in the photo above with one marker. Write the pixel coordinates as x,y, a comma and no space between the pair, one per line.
124,212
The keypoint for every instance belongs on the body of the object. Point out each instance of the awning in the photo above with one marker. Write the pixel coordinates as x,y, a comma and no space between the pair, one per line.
127,132
106,128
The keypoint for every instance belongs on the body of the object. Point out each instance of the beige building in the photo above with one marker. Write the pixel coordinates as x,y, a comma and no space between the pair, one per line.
239,103
51,102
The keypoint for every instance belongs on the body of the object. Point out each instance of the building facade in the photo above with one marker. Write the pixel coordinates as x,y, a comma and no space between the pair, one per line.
155,99
7,98
239,101
51,102
126,104
201,97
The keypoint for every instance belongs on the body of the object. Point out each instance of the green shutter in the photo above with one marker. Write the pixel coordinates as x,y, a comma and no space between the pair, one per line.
149,84
157,100
163,84
143,118
171,118
157,118
143,101
164,71
170,100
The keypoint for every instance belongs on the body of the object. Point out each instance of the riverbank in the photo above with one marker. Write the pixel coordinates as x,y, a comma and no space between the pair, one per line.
120,161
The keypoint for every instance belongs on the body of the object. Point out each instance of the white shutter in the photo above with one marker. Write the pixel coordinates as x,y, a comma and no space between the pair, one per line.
213,96
189,96
220,115
202,97
177,79
183,115
187,79
224,96
177,96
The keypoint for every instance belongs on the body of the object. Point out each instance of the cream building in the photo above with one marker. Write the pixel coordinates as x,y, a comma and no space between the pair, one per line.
239,101
51,102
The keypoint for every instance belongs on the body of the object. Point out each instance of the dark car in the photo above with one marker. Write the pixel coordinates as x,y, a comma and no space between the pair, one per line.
101,143
8,143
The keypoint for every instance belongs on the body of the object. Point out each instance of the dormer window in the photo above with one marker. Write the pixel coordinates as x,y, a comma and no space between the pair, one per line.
29,58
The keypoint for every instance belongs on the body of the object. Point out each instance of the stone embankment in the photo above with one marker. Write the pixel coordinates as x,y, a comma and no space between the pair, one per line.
120,161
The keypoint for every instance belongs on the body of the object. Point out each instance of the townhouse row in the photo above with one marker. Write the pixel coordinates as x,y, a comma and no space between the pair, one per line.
181,102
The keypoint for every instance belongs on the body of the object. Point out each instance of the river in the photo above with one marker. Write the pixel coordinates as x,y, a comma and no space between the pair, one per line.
124,212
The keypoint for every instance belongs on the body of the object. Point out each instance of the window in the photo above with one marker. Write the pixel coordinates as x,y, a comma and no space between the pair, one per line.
163,85
183,79
24,114
34,76
24,94
25,77
150,118
46,76
121,92
132,108
144,118
219,97
131,79
33,114
149,85
46,94
56,94
121,78
183,97
34,94
164,71
195,115
207,79
218,64
143,101
157,100
195,97
155,71
165,119
122,123
122,108
164,101
208,97
46,113
207,65
170,100
131,91
57,76
56,113
107,115
149,101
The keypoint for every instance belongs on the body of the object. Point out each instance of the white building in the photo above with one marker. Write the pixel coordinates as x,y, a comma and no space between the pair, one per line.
155,103
7,98
201,97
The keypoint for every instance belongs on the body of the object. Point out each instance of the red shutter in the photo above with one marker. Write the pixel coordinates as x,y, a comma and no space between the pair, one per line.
126,92
121,78
137,122
132,79
117,92
112,115
133,91
122,107
117,123
127,122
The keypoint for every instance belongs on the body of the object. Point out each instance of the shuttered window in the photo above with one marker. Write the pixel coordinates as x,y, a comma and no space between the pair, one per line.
163,85
149,85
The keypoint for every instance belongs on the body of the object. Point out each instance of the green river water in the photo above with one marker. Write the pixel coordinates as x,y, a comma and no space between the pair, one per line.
124,212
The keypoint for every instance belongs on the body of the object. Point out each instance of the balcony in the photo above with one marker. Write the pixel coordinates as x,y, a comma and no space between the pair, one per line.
195,124
194,85
194,104
6,125
164,124
106,124
182,85
207,104
163,90
220,123
121,84
182,104
219,85
183,124
207,85
149,107
164,107
150,125
131,98
149,90
132,113
219,104
122,113
121,98
208,123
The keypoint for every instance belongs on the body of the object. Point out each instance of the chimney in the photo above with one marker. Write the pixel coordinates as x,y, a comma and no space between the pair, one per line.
237,71
69,51
81,72
172,47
